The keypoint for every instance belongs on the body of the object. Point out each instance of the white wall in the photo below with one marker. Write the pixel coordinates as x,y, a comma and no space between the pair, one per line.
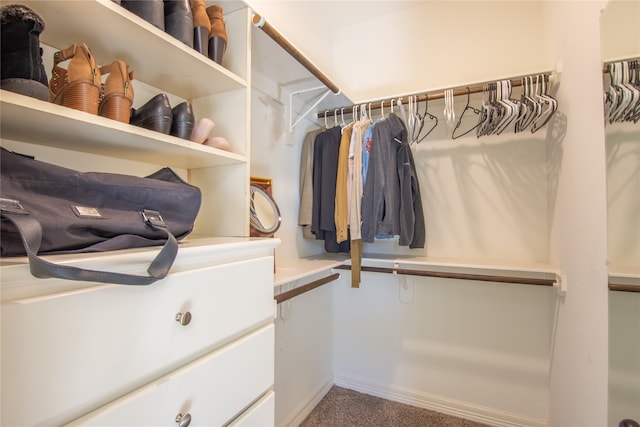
579,364
620,24
623,193
623,196
304,345
439,44
620,28
624,357
413,45
275,154
477,350
484,199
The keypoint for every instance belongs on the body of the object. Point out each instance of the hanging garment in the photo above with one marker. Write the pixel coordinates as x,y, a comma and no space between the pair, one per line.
355,198
355,178
366,149
381,197
306,183
341,214
325,167
412,228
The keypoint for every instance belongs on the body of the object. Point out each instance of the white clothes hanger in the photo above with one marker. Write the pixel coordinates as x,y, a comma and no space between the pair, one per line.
449,110
402,109
411,120
528,106
552,106
511,109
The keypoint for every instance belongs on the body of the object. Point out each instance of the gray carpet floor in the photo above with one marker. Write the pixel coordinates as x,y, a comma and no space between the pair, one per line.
342,407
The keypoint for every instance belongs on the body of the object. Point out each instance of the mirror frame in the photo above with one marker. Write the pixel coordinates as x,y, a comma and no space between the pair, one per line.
263,188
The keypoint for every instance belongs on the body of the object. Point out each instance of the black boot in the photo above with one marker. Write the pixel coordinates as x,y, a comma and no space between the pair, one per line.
156,114
22,67
182,120
178,20
151,11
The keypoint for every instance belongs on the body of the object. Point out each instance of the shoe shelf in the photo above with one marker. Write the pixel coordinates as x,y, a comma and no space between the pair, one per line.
160,63
30,120
156,58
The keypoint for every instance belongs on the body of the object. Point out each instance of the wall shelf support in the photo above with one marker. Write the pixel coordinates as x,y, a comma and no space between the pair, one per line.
293,124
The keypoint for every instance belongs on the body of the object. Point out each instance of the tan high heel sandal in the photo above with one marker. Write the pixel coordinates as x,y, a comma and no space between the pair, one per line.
78,86
118,92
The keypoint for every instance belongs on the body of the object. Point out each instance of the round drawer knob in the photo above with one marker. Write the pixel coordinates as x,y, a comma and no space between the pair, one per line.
183,318
183,420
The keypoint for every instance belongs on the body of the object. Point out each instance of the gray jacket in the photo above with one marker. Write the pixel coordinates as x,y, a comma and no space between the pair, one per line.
391,202
381,194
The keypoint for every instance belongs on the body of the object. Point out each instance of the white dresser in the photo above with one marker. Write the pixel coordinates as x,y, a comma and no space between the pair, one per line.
196,348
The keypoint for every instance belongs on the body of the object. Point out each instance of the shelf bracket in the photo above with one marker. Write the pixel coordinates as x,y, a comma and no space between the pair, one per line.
560,284
293,124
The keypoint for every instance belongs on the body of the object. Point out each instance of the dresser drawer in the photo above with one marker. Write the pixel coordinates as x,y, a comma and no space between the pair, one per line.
210,391
68,353
261,414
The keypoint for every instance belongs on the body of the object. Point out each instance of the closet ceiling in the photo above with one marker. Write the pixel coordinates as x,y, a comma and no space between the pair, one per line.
316,17
377,49
313,27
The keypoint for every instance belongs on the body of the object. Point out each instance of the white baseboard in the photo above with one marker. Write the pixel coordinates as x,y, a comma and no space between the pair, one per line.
440,404
306,407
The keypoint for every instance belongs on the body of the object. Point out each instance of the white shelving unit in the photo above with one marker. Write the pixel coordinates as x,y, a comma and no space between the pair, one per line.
145,356
161,62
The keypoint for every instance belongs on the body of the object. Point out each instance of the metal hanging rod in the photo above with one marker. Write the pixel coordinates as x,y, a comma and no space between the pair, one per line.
261,23
429,96
305,288
463,276
606,66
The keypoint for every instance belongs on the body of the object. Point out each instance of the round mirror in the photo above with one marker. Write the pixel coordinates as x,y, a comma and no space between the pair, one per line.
264,214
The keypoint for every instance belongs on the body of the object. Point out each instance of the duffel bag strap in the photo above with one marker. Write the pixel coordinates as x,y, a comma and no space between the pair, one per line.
31,234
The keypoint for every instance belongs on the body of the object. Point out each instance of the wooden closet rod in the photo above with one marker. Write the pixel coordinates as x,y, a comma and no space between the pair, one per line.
429,96
305,288
623,288
261,23
463,276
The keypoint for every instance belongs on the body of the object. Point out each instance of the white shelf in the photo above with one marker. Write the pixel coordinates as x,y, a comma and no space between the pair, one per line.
311,266
306,267
30,120
522,270
625,276
112,32
161,64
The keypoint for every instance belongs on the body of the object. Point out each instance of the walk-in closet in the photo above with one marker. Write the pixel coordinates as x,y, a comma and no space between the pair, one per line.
436,327
504,134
